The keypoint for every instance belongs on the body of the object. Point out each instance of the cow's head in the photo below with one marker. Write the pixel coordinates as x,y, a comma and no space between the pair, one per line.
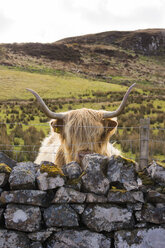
84,130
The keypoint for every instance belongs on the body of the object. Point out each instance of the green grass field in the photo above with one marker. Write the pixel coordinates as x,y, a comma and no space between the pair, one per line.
13,85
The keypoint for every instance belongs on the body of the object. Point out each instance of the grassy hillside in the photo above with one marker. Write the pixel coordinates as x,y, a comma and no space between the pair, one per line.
110,56
63,93
91,71
13,84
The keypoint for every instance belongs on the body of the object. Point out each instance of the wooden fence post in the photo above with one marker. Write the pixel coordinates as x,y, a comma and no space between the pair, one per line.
144,142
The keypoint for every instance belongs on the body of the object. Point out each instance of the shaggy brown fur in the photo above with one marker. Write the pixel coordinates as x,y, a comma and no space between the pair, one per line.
82,131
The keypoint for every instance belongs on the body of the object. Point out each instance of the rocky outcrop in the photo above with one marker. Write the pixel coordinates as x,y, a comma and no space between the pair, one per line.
105,203
147,41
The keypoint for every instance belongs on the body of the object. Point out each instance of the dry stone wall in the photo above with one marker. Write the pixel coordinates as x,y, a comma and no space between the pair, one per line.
105,203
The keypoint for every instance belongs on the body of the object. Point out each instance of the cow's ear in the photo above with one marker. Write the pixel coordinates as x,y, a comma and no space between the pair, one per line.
110,126
56,125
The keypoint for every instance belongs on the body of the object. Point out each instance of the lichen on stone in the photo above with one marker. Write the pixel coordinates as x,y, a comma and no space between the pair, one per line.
19,216
114,189
127,161
146,180
51,170
162,164
76,180
5,168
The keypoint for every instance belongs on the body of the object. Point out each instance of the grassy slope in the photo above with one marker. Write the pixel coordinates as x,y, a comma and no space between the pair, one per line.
13,84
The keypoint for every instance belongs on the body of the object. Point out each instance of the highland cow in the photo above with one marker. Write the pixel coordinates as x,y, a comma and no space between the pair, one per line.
78,132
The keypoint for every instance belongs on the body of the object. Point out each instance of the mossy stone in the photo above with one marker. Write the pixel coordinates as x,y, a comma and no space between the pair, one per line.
5,168
51,170
146,180
127,161
114,189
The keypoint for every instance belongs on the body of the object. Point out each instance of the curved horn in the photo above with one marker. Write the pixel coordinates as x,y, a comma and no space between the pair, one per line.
121,107
45,109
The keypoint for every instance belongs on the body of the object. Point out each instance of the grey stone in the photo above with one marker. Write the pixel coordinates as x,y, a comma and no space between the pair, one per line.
73,174
5,159
66,195
41,236
29,197
138,215
60,216
140,225
140,238
29,165
73,184
153,214
157,172
72,170
79,208
160,205
36,245
122,172
11,239
45,182
94,180
79,239
106,218
54,229
23,176
22,218
156,197
93,198
3,179
125,197
135,206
